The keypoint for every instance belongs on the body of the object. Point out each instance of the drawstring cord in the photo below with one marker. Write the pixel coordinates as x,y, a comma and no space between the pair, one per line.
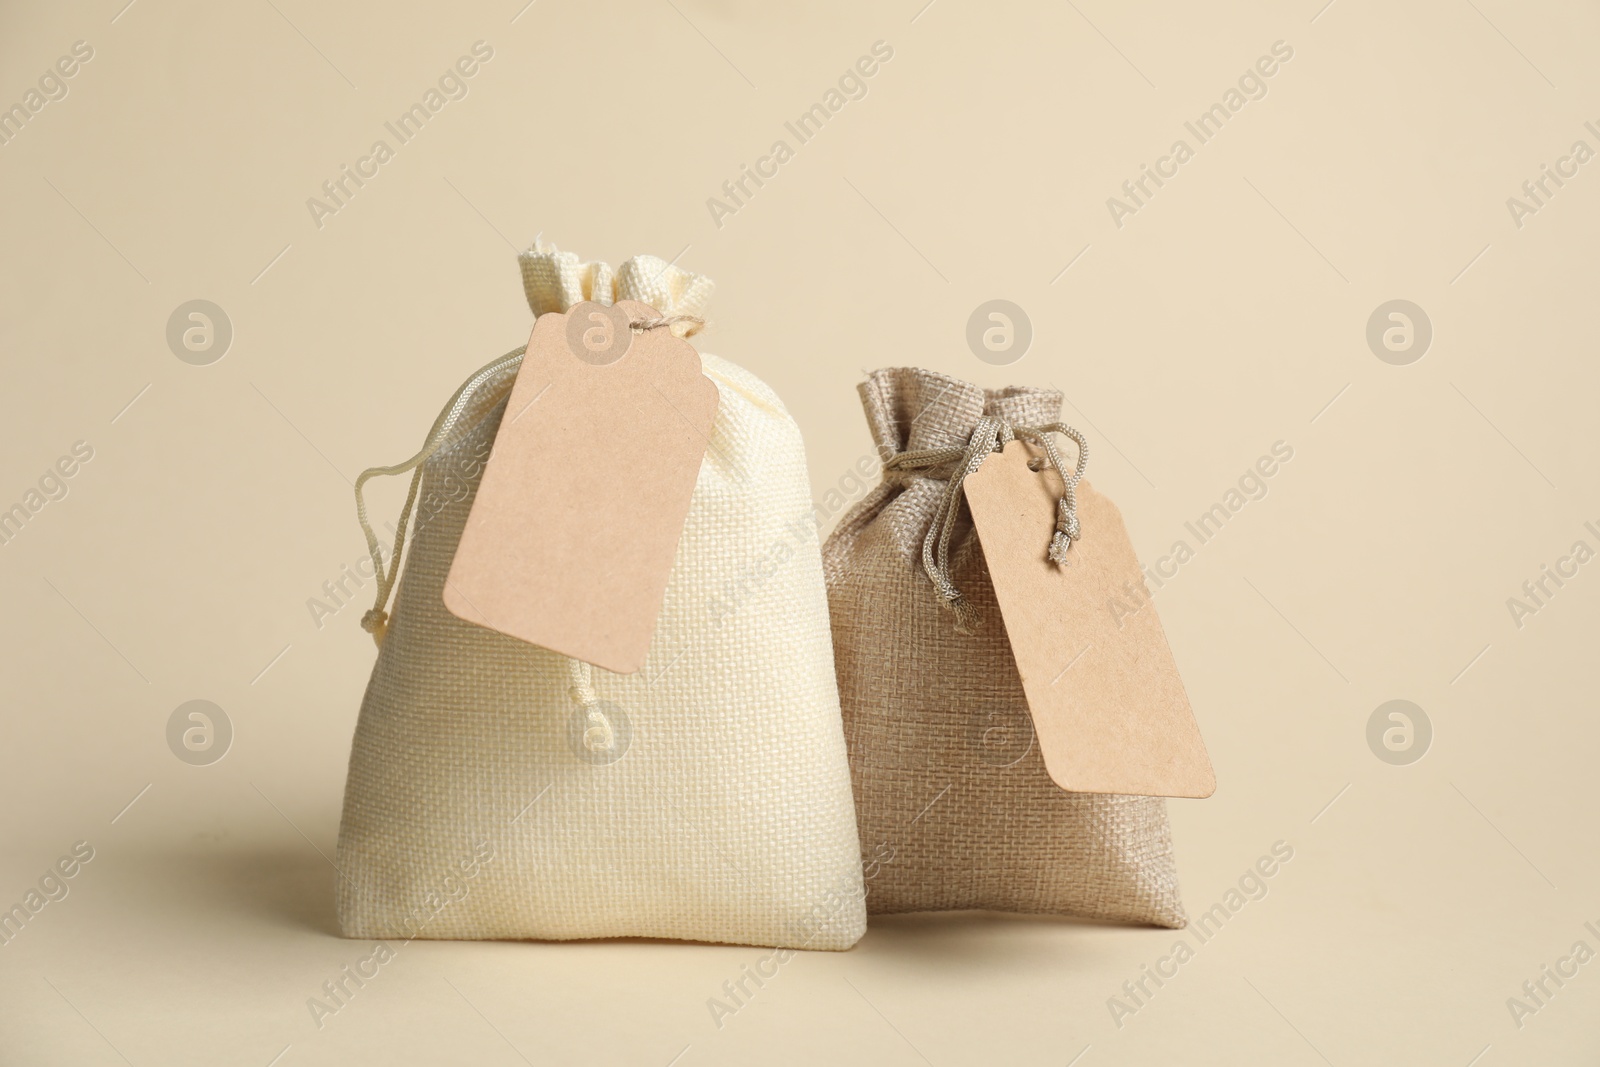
376,621
990,435
693,324
598,735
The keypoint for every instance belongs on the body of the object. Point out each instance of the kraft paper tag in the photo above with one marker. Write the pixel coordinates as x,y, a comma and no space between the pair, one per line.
572,535
1108,707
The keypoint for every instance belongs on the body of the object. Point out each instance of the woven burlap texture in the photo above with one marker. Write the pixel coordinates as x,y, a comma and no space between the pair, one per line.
955,807
728,818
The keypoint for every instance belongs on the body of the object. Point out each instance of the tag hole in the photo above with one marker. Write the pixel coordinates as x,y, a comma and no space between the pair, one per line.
1036,465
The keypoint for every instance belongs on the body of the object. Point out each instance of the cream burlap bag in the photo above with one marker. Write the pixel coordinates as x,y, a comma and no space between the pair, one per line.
955,806
497,790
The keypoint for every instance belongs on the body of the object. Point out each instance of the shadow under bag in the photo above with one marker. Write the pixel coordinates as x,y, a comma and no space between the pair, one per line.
948,819
498,791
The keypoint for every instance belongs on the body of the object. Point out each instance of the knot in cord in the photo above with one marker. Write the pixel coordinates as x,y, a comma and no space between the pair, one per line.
991,434
444,429
598,735
376,623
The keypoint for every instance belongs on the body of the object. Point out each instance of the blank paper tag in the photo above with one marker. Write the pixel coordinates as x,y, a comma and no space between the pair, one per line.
571,538
1109,709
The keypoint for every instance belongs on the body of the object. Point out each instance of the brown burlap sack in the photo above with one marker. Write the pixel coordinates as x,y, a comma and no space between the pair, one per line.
954,804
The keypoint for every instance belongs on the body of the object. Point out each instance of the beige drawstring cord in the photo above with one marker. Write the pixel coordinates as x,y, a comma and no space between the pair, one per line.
695,322
376,621
990,435
598,735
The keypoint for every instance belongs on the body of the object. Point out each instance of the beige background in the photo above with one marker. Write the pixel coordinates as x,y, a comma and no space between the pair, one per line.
1227,314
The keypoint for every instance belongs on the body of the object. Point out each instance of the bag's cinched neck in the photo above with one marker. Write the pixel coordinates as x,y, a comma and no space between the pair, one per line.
944,428
958,462
555,280
910,409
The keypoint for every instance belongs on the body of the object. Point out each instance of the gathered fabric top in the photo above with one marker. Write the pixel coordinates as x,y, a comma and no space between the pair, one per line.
555,280
910,409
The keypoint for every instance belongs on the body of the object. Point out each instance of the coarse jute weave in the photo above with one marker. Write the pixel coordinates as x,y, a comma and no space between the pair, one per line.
955,807
473,808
